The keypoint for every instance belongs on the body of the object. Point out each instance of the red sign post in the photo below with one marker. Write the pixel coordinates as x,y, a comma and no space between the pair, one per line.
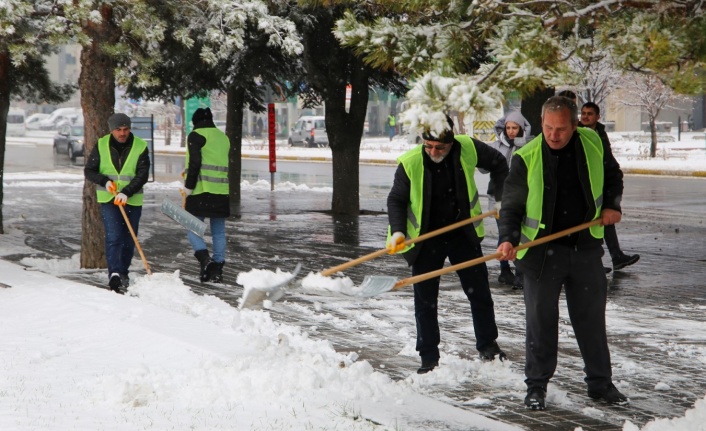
271,132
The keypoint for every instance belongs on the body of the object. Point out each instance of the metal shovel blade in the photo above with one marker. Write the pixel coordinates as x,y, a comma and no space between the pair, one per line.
374,285
254,297
183,217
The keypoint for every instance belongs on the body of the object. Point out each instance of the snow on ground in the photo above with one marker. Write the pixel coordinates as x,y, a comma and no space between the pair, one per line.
161,357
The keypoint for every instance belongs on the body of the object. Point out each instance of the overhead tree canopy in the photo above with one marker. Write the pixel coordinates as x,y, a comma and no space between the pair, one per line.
528,43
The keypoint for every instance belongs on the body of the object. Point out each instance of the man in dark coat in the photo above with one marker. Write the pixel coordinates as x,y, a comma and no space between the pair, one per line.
564,177
590,114
207,189
433,188
120,165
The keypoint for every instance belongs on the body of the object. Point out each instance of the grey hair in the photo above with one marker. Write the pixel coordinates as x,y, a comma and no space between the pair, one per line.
559,103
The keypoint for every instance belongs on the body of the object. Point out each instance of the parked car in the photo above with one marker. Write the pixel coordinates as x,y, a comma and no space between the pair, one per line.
70,140
16,122
309,131
32,122
59,117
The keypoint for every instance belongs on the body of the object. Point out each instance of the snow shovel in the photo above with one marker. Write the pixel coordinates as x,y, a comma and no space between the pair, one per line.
134,237
182,216
420,238
375,285
253,297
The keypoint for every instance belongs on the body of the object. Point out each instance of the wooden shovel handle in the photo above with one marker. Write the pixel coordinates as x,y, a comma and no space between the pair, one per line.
420,238
134,237
472,262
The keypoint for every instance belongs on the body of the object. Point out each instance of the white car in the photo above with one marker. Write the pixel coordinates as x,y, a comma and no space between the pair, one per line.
32,122
16,122
60,116
309,131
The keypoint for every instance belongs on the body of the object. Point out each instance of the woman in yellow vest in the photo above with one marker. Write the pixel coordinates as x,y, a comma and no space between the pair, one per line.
206,184
120,165
433,188
562,178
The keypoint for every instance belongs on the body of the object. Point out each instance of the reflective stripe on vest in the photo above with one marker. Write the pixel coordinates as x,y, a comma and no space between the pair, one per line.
532,155
413,163
213,176
127,172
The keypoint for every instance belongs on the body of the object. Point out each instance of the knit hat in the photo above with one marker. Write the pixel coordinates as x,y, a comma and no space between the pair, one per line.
202,114
118,120
446,137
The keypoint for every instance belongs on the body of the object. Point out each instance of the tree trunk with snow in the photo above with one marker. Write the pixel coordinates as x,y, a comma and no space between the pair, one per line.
4,109
653,136
234,131
97,85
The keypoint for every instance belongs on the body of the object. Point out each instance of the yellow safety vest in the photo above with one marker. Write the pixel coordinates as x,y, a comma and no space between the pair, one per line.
413,163
213,176
127,172
532,155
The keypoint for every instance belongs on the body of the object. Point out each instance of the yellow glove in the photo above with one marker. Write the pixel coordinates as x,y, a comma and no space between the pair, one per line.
396,243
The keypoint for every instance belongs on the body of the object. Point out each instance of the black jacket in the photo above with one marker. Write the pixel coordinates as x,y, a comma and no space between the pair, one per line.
515,197
118,154
489,159
203,204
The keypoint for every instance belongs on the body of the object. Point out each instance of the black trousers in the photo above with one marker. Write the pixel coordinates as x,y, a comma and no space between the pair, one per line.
586,286
611,239
474,281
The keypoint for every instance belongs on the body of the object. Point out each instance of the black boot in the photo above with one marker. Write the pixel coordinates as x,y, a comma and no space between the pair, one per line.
204,261
214,272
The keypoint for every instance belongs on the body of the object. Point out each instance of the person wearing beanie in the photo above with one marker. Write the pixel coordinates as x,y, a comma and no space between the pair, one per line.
433,188
207,190
512,131
119,164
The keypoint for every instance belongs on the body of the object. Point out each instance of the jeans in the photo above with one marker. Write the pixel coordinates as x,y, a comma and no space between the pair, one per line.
218,233
119,246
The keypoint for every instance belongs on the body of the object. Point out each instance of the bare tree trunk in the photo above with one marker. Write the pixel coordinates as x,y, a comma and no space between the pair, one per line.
4,109
532,108
653,135
234,131
97,85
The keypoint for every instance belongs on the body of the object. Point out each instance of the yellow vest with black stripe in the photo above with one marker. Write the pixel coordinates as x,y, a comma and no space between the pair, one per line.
213,176
413,163
127,172
532,155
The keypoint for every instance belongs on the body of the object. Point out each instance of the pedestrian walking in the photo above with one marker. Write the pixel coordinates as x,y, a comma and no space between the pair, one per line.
433,188
562,178
512,130
119,163
590,114
391,125
207,190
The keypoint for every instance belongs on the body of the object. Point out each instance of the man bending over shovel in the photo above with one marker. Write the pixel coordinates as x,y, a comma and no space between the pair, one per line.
433,188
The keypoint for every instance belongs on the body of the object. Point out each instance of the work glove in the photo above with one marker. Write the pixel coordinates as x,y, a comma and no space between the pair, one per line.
120,199
396,243
497,206
187,192
110,187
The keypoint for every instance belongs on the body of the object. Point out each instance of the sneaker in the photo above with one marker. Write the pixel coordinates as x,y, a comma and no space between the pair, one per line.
428,366
125,280
115,284
506,276
623,260
609,394
535,399
488,353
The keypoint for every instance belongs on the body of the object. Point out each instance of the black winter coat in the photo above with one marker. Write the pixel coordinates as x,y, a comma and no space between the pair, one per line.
118,154
203,204
515,197
398,200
